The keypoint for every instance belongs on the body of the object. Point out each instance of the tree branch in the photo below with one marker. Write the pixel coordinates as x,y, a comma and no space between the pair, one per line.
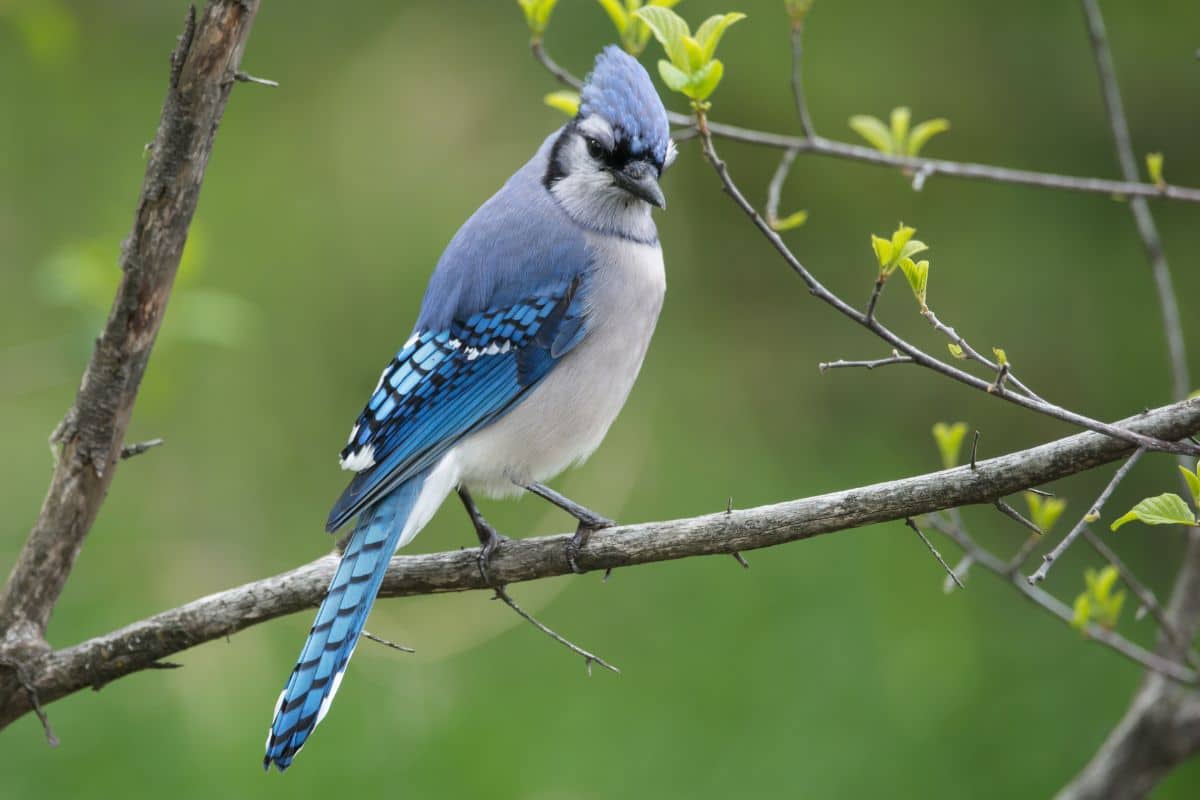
143,644
91,435
1161,727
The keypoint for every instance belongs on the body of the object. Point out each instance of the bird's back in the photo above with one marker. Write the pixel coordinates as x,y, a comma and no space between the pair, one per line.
517,242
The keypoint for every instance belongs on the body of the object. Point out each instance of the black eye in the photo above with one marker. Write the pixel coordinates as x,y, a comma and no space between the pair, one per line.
595,149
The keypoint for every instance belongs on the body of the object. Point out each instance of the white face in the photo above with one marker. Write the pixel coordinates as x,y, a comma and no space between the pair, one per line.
587,190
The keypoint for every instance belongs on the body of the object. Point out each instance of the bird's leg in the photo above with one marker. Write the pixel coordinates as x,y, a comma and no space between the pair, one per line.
588,520
489,537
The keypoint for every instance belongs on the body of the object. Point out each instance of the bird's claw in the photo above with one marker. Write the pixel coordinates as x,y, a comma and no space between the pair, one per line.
490,544
577,542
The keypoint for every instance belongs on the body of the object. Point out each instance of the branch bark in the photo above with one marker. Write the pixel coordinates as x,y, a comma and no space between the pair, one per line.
202,67
143,644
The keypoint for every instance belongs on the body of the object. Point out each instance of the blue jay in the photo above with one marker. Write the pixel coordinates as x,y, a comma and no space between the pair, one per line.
531,333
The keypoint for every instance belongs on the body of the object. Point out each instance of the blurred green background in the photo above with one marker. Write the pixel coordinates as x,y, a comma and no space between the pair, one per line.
834,667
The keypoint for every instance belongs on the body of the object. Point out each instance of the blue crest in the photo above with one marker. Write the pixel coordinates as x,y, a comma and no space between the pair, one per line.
619,90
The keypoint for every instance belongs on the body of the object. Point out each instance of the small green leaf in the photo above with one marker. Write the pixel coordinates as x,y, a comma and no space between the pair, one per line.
537,14
1044,511
790,221
1165,509
918,278
703,83
956,351
883,251
911,248
1091,516
1154,165
1083,612
695,54
565,101
1193,481
1001,356
900,119
617,13
949,439
923,132
1098,602
675,78
712,29
670,30
874,131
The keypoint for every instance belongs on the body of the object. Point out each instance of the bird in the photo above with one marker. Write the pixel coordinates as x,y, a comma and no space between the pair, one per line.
531,333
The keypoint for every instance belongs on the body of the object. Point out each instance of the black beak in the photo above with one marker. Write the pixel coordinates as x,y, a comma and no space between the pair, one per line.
640,179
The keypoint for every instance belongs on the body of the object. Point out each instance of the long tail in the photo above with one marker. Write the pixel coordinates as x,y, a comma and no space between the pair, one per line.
316,676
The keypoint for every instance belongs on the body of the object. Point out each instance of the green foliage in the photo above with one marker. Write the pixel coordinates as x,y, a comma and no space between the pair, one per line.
956,351
1165,509
897,139
1154,165
692,69
1098,603
537,15
949,439
1193,482
1044,511
890,252
794,220
917,274
566,101
1001,356
634,32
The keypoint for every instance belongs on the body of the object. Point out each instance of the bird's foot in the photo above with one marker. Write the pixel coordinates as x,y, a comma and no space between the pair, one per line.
580,539
589,521
490,539
489,542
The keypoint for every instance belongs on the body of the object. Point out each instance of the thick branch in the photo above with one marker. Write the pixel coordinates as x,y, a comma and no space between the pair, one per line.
141,645
91,435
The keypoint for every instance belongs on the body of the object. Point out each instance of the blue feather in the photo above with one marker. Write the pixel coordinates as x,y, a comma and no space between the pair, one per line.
448,383
340,620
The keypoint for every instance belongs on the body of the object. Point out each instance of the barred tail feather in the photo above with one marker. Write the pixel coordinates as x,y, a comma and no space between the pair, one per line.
315,679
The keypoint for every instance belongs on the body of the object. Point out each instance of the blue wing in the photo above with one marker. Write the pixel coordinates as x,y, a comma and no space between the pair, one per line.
447,383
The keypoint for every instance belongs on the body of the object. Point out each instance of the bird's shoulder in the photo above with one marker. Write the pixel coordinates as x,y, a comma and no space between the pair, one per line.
517,242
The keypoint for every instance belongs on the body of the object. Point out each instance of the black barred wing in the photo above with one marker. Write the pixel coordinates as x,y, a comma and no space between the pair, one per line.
445,384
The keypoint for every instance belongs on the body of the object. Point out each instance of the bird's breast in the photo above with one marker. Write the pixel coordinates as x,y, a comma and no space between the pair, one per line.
566,416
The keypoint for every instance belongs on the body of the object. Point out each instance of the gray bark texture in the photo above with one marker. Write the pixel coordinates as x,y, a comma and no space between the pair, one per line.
143,644
201,74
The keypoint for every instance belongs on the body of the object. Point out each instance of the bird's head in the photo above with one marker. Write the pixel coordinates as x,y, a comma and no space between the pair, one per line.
605,165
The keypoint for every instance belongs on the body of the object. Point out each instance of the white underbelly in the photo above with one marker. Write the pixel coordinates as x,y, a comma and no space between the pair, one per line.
565,417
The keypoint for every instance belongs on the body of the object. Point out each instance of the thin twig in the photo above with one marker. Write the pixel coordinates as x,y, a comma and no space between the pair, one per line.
1092,514
136,449
894,358
919,356
909,522
775,187
974,448
31,692
245,77
738,557
1143,594
1012,513
819,145
403,648
798,97
1147,230
1054,606
588,657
